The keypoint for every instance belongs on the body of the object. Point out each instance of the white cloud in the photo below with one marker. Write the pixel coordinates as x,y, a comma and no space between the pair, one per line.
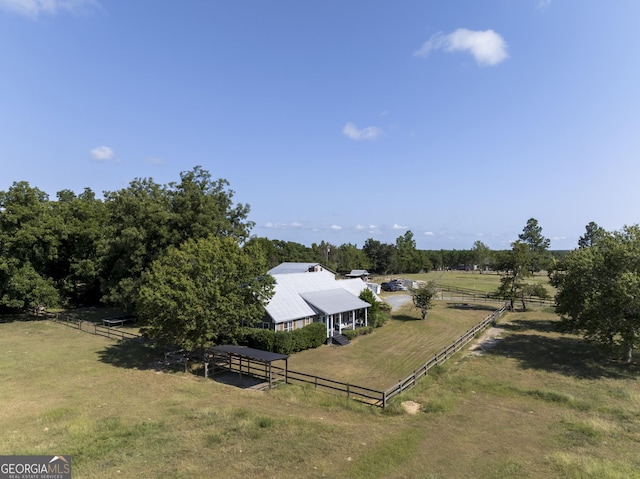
101,153
429,233
34,8
487,47
396,226
284,226
369,133
336,227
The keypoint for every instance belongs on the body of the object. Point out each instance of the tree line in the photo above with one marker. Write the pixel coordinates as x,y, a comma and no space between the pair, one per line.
182,256
78,249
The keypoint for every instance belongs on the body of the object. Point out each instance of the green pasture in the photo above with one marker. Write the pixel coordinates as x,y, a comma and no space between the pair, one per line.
395,350
485,282
538,404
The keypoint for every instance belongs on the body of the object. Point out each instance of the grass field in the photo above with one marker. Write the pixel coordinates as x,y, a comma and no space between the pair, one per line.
487,282
401,346
538,404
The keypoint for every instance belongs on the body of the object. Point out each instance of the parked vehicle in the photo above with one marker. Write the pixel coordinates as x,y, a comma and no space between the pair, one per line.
392,286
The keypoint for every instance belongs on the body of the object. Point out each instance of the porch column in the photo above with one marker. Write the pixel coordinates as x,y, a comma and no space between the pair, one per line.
365,316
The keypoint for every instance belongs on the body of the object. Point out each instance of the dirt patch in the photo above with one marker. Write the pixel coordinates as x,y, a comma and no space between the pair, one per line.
411,407
486,341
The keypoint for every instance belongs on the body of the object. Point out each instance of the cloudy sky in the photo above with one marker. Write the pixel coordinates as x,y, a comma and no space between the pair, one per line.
337,121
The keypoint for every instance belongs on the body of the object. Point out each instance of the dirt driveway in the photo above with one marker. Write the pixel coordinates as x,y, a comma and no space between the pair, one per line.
397,299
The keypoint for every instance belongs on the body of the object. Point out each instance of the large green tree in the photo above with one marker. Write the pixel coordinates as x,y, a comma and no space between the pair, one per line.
146,218
349,257
383,257
138,231
538,245
29,247
591,236
201,292
482,255
82,221
408,257
513,267
598,289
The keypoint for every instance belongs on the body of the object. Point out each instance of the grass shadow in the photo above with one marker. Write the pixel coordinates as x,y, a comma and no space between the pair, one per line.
93,314
403,318
472,306
22,317
528,341
131,354
537,325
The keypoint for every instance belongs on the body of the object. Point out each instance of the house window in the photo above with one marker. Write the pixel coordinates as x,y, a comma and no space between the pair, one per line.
288,326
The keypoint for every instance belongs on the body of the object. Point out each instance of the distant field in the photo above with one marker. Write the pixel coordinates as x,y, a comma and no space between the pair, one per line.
537,405
485,282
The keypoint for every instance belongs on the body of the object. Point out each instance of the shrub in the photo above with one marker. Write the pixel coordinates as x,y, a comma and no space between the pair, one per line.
257,338
365,330
350,334
284,342
379,311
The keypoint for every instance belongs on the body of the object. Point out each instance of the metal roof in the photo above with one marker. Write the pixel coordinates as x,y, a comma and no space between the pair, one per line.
334,301
358,272
288,303
288,268
245,352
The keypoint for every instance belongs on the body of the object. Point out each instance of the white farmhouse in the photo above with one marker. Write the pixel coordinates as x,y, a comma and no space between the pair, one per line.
307,292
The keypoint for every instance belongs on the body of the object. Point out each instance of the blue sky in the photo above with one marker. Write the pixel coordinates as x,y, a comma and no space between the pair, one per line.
337,120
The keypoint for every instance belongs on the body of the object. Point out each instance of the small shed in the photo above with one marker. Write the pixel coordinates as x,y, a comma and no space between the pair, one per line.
249,361
359,273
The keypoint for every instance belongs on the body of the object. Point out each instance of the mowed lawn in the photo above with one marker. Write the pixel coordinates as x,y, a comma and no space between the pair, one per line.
395,350
538,404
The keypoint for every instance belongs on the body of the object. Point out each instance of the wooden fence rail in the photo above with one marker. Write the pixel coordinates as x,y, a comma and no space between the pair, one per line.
441,357
451,293
352,391
94,328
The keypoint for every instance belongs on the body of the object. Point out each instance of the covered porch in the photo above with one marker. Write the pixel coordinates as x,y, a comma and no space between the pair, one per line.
338,310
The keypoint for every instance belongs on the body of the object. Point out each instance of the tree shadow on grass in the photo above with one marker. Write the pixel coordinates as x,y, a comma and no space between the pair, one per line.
131,354
403,318
570,355
472,306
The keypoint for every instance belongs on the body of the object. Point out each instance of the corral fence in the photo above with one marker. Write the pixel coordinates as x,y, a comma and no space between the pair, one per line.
450,293
351,391
94,328
362,394
411,380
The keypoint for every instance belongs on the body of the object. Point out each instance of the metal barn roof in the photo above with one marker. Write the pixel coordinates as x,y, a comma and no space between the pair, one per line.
334,301
288,302
289,268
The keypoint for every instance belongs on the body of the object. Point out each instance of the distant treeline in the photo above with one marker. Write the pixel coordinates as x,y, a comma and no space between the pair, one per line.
78,249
